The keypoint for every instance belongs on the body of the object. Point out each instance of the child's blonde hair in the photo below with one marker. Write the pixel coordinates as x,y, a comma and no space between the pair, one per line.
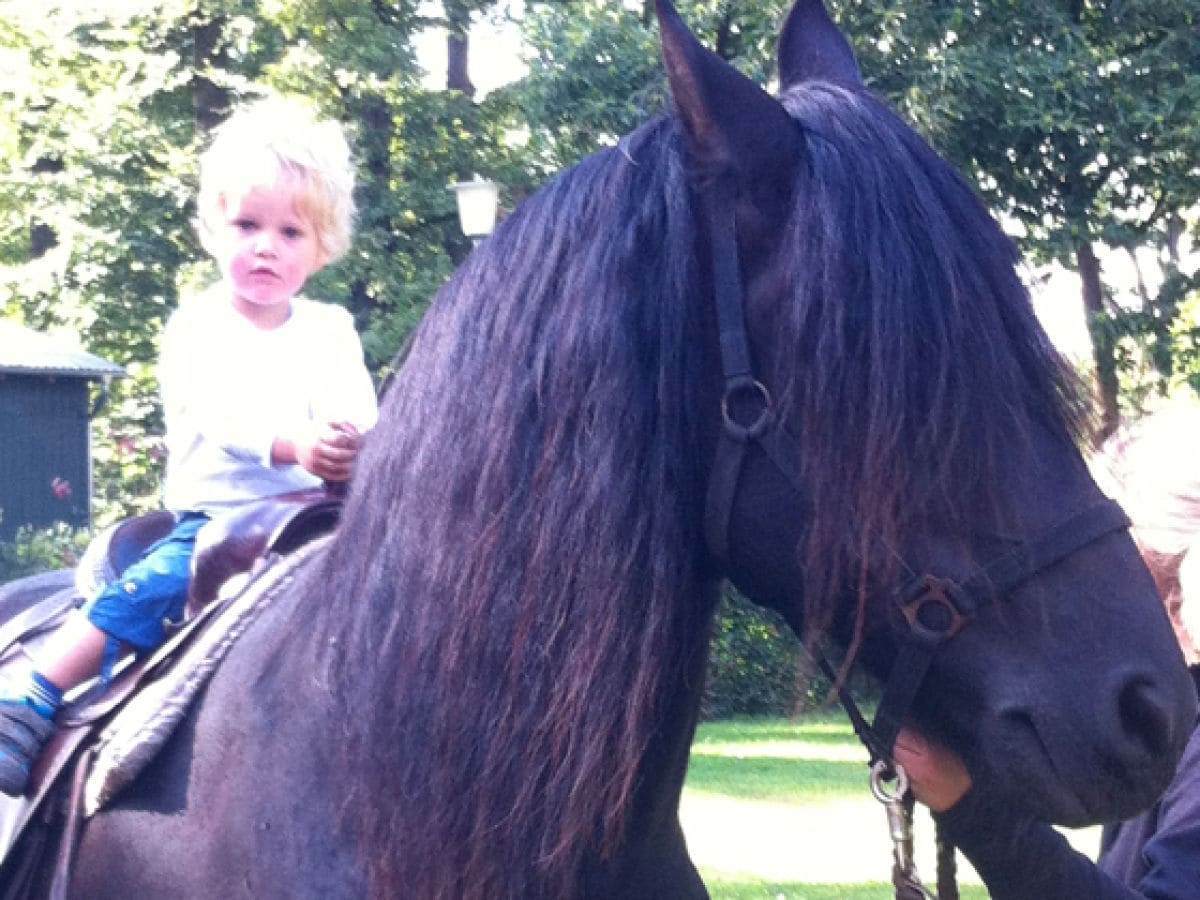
272,139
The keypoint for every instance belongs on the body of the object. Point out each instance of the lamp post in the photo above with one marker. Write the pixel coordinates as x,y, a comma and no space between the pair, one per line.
477,202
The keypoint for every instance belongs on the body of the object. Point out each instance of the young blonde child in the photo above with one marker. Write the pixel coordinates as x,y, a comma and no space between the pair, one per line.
264,392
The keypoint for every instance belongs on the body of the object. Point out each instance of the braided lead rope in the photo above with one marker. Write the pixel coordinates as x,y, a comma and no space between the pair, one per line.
947,868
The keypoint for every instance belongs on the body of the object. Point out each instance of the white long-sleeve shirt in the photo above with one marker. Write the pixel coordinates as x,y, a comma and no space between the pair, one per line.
229,389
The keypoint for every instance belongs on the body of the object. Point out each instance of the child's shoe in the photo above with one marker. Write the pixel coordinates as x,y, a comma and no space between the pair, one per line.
23,733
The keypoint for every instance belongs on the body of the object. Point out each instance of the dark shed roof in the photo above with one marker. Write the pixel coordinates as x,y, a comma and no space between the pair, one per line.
28,352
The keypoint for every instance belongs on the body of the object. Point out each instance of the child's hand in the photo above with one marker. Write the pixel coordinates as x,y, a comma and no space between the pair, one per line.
936,775
329,451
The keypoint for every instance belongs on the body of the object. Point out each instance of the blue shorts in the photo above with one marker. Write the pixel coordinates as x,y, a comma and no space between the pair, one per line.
151,593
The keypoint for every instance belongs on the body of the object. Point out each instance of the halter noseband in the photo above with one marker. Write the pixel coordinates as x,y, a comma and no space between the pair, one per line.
935,608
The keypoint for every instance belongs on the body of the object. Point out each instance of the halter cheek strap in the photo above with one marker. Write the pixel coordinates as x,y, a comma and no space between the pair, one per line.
747,411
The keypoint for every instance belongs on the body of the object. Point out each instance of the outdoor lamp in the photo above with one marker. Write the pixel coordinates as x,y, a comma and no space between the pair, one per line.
477,202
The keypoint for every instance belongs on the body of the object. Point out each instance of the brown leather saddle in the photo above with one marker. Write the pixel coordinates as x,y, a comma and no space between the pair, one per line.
230,545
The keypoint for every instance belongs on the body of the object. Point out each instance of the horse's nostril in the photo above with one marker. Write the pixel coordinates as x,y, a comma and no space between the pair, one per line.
1144,716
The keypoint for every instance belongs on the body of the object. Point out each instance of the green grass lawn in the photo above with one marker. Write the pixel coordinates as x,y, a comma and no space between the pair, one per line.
778,810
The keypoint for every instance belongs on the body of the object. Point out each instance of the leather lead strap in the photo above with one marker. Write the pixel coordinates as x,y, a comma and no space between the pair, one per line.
742,395
904,680
722,487
1051,546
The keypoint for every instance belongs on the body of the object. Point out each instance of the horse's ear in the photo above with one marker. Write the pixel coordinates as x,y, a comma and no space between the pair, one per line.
811,48
732,125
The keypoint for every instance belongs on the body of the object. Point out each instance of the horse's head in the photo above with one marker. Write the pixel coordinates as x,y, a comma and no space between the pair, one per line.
896,412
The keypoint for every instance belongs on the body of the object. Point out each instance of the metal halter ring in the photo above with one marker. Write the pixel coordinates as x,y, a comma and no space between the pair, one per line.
752,390
933,608
882,773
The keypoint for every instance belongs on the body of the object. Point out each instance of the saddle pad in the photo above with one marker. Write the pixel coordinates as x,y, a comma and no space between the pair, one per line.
142,726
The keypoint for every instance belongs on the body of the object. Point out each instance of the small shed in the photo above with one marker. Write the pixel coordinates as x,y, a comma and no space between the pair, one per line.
45,439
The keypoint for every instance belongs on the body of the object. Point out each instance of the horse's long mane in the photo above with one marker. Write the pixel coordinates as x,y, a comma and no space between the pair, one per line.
518,586
518,589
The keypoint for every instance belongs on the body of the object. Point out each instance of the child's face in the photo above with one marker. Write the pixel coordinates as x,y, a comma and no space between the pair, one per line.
267,251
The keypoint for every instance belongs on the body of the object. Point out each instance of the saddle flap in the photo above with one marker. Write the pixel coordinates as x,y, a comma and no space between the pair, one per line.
133,537
230,544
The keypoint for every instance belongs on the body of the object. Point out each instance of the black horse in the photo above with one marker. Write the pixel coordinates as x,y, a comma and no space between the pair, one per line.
487,686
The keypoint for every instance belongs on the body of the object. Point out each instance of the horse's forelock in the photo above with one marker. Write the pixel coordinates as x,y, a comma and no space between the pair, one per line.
910,354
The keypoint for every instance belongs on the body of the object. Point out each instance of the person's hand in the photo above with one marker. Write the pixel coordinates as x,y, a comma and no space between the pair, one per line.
936,775
329,451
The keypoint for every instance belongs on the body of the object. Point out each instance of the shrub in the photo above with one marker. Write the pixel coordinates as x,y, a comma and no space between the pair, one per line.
752,667
757,667
128,454
39,550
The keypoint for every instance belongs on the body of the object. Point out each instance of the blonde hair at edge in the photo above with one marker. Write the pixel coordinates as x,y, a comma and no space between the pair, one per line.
277,141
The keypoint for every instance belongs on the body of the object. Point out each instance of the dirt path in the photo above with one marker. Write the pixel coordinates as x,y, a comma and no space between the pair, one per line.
838,842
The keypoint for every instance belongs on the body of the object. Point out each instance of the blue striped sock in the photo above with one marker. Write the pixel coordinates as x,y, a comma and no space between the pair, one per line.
43,695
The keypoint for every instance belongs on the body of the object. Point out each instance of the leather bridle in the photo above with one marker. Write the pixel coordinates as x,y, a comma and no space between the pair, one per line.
935,608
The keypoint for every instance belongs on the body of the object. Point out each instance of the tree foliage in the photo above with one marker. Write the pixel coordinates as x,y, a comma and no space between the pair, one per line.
594,70
1076,119
34,550
1078,122
752,664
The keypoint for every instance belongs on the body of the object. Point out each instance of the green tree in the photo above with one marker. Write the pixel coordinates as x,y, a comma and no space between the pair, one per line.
98,166
752,663
595,72
1078,122
1076,119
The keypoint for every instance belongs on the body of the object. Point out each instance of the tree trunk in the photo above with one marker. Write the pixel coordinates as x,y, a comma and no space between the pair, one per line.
1102,342
210,101
458,47
1176,228
42,237
806,667
724,43
376,117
